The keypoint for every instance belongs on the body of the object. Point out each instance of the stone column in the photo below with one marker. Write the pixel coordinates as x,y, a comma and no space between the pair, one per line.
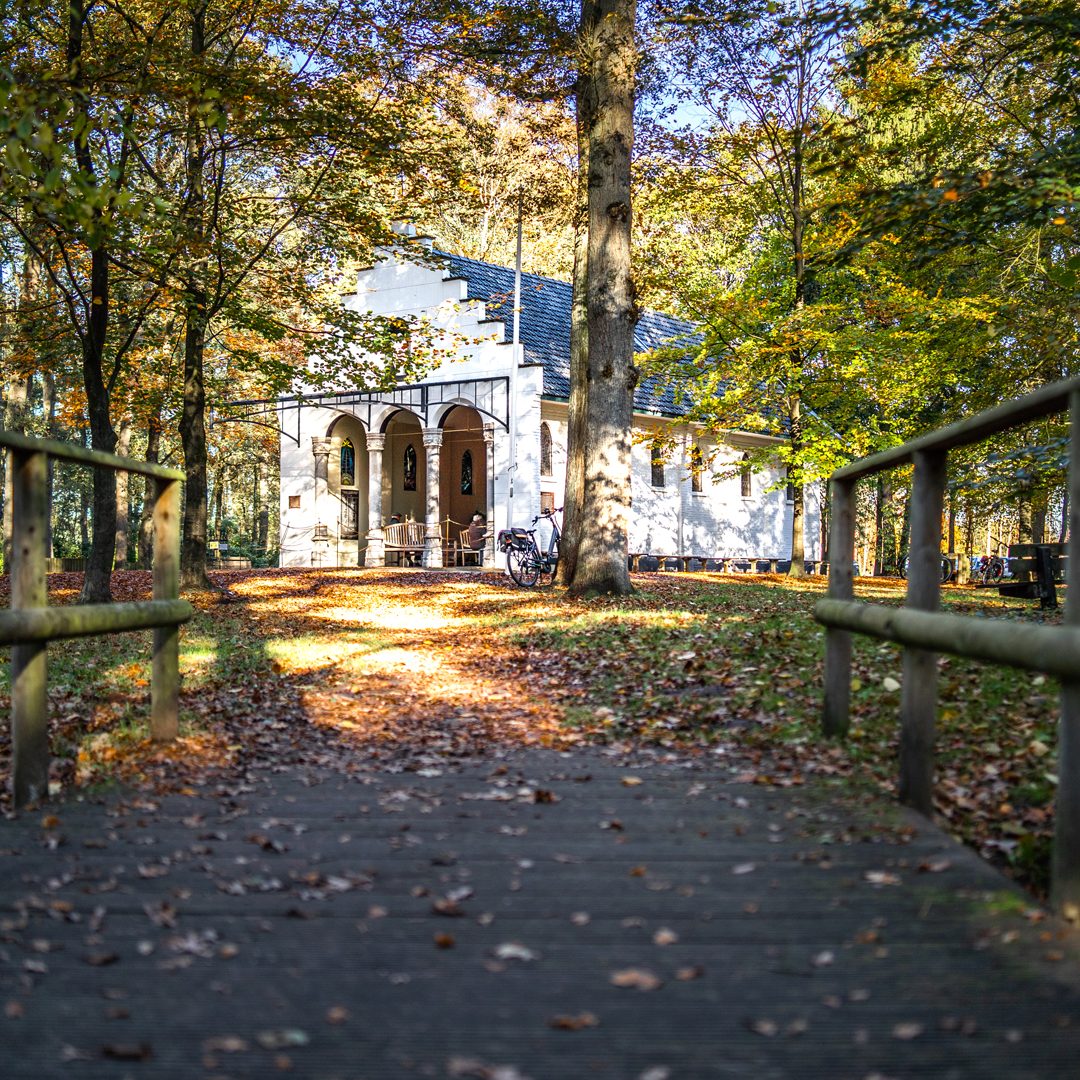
376,553
489,448
320,537
433,553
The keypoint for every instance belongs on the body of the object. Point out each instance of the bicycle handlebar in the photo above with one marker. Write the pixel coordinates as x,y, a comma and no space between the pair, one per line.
547,514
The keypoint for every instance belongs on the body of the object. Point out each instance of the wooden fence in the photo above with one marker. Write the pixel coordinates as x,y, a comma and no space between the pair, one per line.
924,631
30,624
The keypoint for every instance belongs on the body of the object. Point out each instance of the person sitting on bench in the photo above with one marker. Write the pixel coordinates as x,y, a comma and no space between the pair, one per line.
477,536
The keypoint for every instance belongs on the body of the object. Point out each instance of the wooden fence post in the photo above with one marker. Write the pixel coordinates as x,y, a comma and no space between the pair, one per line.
29,699
165,676
836,715
918,698
1065,882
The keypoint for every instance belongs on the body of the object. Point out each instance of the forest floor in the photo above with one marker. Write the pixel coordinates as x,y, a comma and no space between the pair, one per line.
401,666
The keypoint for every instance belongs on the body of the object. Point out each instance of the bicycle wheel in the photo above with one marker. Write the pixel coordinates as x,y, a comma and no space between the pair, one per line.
995,571
524,567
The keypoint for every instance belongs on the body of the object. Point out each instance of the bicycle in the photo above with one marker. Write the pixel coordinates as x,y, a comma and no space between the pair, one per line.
988,569
947,573
527,564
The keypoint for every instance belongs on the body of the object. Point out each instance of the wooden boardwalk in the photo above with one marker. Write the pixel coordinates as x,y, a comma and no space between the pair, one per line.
536,915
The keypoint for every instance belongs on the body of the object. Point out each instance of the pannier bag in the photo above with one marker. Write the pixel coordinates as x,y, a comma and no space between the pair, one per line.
513,538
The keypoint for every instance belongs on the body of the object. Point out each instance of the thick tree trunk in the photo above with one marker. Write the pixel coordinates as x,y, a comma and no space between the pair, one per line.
610,61
123,485
193,413
193,440
146,519
576,431
96,583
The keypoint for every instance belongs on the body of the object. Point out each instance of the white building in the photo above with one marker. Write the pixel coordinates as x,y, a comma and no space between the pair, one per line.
487,432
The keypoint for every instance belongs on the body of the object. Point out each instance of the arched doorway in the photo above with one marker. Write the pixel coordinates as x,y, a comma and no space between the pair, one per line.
463,480
404,469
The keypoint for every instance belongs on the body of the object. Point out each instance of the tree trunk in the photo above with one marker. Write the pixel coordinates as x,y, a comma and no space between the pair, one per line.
96,582
879,527
84,509
263,519
798,502
123,485
48,407
610,59
1023,523
574,490
146,519
193,413
1063,535
1040,505
16,401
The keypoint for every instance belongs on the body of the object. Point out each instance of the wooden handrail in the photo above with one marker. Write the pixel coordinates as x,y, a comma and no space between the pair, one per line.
80,455
924,631
31,624
1046,401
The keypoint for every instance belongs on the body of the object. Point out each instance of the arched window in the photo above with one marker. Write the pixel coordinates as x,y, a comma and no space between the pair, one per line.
657,459
466,473
409,468
348,463
744,477
545,450
697,467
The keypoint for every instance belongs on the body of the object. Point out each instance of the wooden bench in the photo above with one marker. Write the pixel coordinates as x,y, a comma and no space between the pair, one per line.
1037,568
716,564
404,538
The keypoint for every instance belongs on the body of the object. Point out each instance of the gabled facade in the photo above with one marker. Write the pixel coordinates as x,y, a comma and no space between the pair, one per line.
487,432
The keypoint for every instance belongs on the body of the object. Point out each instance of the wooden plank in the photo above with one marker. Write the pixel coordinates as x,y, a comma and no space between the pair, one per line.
165,677
1046,401
1065,887
918,695
836,713
29,697
83,456
42,624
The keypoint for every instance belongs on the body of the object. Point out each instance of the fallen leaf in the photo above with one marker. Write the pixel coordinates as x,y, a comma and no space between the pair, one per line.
513,950
283,1038
907,1031
665,936
127,1051
574,1023
764,1026
635,979
225,1044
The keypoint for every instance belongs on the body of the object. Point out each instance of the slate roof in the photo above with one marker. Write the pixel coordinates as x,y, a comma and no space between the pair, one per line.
545,328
